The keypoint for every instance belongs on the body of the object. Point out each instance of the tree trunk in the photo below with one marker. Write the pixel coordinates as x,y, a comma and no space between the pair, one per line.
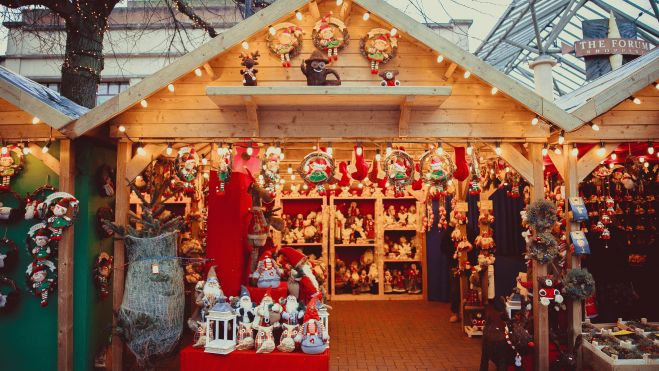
83,59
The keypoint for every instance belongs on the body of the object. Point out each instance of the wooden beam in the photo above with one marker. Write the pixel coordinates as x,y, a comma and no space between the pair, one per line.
517,161
138,163
344,14
313,9
588,162
122,197
65,266
405,112
51,162
252,115
209,70
28,131
642,128
558,161
450,70
540,312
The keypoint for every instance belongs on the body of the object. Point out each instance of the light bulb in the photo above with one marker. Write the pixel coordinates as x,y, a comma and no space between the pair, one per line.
204,161
245,45
388,150
198,72
641,159
140,150
144,103
299,16
507,169
290,169
544,150
635,100
646,165
557,150
170,87
393,32
601,151
26,149
35,120
497,149
440,149
561,137
272,31
656,86
292,176
614,156
305,186
122,129
440,58
359,151
534,121
4,150
330,151
612,165
466,74
45,148
650,148
494,90
339,2
594,126
359,185
169,150
366,16
575,150
249,151
282,181
378,157
470,149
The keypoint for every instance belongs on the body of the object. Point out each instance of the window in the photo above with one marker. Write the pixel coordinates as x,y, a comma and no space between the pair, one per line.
104,91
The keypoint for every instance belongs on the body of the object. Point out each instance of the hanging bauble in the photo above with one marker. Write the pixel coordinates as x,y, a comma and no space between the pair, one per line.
41,279
399,169
225,164
317,168
187,169
11,164
330,35
379,47
8,253
285,41
436,170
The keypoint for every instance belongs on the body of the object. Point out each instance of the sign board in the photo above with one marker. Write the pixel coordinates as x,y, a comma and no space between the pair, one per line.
486,205
462,207
586,48
580,243
579,211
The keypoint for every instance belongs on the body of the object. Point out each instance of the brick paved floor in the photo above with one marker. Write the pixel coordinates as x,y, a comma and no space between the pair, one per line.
401,335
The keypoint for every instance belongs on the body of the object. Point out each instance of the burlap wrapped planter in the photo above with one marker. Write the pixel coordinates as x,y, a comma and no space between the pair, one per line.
151,314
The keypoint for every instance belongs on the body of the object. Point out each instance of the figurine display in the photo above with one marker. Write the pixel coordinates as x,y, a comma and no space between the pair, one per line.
330,35
285,41
360,277
187,169
249,73
41,279
313,337
316,71
102,274
398,282
389,78
388,282
303,229
401,248
11,163
379,46
267,273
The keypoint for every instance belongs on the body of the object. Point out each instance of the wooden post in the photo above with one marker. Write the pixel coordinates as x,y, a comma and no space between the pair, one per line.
540,314
122,197
571,190
65,267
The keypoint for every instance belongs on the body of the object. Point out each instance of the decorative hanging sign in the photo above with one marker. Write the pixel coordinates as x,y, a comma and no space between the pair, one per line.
399,169
225,164
317,168
330,35
580,243
579,211
436,170
41,279
187,169
11,164
379,47
285,41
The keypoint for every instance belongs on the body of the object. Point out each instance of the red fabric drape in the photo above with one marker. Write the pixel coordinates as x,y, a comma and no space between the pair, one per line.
196,359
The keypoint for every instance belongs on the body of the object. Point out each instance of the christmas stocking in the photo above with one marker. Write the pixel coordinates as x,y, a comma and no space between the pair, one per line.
462,171
358,167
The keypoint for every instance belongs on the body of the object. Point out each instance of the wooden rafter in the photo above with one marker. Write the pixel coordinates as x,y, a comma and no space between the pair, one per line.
313,9
65,266
449,71
517,161
138,163
588,162
345,10
51,162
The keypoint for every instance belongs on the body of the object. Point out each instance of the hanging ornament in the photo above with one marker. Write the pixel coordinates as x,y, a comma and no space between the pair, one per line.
379,46
187,169
102,273
7,290
436,170
10,213
285,41
225,164
271,169
514,186
11,164
36,198
317,168
8,253
104,215
330,35
60,210
105,177
474,170
399,169
39,242
41,279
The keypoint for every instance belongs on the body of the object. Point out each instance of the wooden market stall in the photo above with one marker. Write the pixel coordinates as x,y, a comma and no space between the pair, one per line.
445,94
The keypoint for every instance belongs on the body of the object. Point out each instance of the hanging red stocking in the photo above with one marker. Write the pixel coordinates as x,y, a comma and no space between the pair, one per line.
462,169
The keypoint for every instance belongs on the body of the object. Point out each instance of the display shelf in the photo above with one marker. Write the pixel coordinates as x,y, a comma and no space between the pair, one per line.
351,297
354,245
403,296
402,260
389,229
302,244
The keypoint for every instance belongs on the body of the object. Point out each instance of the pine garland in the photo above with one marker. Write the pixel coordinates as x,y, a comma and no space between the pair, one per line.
578,284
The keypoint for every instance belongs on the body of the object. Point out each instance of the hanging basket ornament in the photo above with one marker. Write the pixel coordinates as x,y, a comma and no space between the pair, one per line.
436,170
225,164
330,35
399,169
379,47
11,163
285,41
317,168
41,279
187,169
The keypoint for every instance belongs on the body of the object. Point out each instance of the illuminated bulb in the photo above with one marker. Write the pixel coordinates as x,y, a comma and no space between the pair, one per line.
388,150
144,103
650,148
138,178
245,45
206,176
140,150
298,15
494,90
282,181
635,100
204,161
656,86
601,150
366,16
497,149
378,157
360,185
35,120
122,129
26,149
507,169
470,149
575,150
314,148
594,126
646,165
359,151
339,2
534,121
612,165
4,150
641,159
305,186
557,150
170,87
169,150
249,151
614,156
45,148
272,31
440,58
545,150
491,171
466,74
440,149
393,32
292,176
261,178
561,137
290,169
197,72
330,151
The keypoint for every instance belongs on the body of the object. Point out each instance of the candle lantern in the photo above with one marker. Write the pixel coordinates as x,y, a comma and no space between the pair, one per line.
221,325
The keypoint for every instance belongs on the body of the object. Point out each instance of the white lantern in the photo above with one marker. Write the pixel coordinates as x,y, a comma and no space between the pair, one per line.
323,314
221,324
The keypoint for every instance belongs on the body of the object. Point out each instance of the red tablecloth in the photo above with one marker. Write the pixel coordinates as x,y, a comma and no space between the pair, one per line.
197,360
257,294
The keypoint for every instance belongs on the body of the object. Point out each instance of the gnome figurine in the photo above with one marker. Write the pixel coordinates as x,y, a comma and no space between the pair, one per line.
246,314
308,286
267,273
212,292
313,337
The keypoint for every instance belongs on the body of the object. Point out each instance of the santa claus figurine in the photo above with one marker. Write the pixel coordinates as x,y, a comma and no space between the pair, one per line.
267,273
313,337
308,286
268,313
245,319
212,292
293,311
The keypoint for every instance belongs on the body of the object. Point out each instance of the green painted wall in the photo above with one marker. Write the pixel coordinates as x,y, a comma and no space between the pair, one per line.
28,334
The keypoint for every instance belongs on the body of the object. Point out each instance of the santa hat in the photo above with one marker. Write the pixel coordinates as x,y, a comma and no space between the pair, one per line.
267,254
384,37
358,167
64,202
293,256
324,22
311,312
344,180
244,292
268,294
42,233
211,274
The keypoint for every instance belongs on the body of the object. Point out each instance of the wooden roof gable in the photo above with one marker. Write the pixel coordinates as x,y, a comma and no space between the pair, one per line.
284,9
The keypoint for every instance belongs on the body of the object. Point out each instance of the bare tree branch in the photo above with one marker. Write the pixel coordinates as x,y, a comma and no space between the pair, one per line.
64,9
183,7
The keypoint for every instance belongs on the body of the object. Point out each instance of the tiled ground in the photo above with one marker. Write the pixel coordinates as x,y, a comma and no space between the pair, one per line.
400,335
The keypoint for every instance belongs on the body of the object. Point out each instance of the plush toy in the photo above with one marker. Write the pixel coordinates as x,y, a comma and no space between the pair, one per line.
369,227
58,219
330,35
265,340
41,279
293,312
212,292
549,292
267,273
102,274
187,169
268,313
308,283
313,337
246,316
249,73
398,282
316,71
285,42
287,339
225,162
39,242
389,78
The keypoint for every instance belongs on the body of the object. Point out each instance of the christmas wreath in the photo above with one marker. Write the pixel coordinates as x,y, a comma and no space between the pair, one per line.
285,41
379,46
8,253
399,170
578,284
34,199
330,35
436,169
317,168
544,248
541,215
11,214
12,160
187,169
7,290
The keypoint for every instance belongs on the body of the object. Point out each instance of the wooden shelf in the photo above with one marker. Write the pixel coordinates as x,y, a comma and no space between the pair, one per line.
297,244
350,297
403,296
327,96
473,307
400,229
402,260
355,245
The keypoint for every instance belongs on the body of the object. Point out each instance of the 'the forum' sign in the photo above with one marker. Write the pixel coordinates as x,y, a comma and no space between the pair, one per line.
607,47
